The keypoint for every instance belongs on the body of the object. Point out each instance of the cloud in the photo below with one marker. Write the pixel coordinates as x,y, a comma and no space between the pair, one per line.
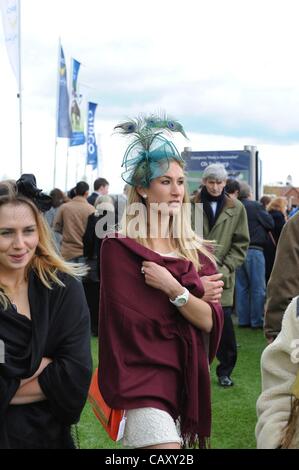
228,70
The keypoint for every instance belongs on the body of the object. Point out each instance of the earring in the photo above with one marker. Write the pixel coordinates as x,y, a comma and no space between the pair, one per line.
144,196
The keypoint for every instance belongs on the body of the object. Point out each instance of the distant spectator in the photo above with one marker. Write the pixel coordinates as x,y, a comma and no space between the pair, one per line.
7,187
265,200
232,188
71,193
100,188
104,207
71,221
194,194
283,284
126,190
293,211
250,277
225,221
120,201
277,208
58,198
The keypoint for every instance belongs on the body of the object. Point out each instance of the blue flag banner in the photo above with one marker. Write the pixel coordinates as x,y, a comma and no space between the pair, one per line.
92,149
77,123
63,117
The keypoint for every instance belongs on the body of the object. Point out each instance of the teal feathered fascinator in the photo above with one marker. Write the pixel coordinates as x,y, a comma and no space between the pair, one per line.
149,154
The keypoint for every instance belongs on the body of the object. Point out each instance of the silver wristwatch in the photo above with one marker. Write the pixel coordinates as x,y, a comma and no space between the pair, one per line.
181,299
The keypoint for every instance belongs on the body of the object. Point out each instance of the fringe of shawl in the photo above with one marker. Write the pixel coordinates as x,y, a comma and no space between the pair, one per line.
192,435
194,441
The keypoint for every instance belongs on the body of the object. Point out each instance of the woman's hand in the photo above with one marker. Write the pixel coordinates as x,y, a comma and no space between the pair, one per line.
29,390
44,363
213,287
196,311
160,278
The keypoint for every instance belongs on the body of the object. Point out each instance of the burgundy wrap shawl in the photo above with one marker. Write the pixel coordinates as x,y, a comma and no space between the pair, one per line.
150,355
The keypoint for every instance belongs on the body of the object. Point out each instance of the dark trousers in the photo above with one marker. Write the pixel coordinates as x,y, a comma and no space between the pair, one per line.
92,293
227,351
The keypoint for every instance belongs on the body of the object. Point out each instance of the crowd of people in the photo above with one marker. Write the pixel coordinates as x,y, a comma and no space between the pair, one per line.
162,294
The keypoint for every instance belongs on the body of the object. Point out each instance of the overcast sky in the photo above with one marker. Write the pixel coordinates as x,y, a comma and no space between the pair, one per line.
228,70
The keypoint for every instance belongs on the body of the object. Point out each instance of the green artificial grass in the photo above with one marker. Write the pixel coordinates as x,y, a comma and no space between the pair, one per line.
233,408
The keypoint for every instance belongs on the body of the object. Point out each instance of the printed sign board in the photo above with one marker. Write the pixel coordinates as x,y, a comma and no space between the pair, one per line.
242,165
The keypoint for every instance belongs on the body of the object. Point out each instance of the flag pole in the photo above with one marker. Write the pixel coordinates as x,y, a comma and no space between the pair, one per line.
86,145
69,139
77,165
67,164
100,158
19,95
57,107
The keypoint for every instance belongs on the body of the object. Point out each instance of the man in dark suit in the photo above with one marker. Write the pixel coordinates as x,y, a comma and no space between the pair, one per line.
100,188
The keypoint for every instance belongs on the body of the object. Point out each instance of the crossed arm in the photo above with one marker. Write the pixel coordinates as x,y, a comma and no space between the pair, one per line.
196,311
29,390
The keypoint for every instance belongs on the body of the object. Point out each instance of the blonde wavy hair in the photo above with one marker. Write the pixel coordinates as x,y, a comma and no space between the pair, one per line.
188,245
46,263
278,204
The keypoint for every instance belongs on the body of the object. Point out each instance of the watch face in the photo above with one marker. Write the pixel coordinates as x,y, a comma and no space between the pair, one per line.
181,302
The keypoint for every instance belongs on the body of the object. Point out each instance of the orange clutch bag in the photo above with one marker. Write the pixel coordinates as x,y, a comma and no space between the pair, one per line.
113,421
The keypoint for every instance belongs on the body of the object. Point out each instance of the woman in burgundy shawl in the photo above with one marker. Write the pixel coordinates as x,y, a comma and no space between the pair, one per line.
160,316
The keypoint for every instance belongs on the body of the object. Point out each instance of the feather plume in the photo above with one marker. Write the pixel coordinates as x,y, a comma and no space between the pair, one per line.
132,126
149,152
138,129
126,127
164,122
146,127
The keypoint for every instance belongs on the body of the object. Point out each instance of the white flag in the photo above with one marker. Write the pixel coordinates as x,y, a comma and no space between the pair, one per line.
10,10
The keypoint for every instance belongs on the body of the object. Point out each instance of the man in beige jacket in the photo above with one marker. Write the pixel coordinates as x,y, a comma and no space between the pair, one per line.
71,221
